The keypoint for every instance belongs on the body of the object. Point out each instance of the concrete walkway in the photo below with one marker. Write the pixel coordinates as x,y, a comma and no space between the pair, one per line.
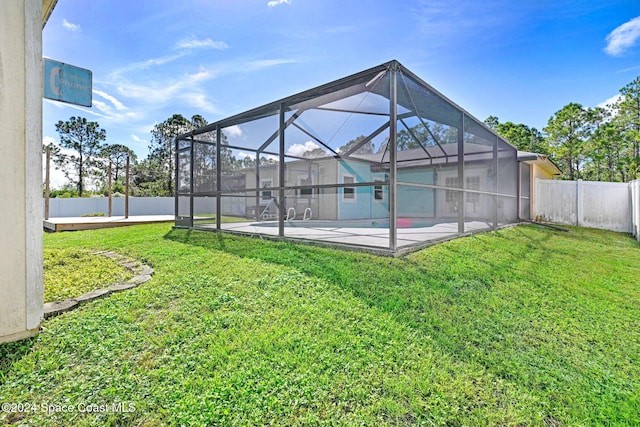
357,236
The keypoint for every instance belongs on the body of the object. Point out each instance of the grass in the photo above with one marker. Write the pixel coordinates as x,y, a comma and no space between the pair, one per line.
71,272
523,326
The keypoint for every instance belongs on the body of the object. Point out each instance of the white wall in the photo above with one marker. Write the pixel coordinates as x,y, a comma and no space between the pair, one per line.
21,282
60,207
604,205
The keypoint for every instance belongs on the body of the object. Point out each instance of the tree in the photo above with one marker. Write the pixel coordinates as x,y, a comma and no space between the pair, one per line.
117,154
146,181
492,122
567,131
162,150
85,140
315,153
523,137
628,118
427,135
367,148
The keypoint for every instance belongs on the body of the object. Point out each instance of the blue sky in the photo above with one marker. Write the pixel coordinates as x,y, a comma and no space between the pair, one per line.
518,60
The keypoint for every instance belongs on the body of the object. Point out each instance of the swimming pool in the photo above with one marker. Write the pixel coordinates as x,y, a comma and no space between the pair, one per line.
354,223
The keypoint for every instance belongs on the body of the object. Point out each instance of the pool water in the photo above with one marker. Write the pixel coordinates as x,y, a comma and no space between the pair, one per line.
359,223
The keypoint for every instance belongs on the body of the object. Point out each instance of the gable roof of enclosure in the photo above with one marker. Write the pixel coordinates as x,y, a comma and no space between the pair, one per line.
432,105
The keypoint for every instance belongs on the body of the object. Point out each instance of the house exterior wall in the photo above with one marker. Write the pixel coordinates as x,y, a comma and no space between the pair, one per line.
416,201
474,208
21,285
537,172
363,204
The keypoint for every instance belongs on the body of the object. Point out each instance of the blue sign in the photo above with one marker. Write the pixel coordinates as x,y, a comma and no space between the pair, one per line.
66,83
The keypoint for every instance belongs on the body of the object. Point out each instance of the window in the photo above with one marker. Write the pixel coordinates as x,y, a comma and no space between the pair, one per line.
348,193
378,191
266,195
451,195
473,183
304,193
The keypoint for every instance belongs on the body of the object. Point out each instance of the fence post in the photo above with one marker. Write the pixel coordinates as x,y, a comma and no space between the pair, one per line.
632,193
579,200
47,181
110,199
126,191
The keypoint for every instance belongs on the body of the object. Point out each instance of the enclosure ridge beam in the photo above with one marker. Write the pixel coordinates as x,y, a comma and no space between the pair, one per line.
413,135
315,138
273,136
366,140
339,110
415,108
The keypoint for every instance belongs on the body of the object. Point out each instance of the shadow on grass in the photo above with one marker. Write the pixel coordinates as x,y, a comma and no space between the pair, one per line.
397,285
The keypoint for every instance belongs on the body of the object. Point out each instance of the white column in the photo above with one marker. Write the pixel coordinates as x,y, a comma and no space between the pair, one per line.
21,280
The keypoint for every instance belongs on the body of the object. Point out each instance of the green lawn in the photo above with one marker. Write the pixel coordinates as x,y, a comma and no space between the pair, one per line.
524,326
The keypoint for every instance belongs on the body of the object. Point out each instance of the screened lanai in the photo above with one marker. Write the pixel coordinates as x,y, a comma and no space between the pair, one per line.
378,160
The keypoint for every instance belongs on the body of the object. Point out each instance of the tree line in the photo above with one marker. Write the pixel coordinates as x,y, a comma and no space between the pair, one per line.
596,144
84,158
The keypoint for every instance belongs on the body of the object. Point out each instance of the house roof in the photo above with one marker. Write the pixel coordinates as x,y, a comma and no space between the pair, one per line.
47,8
541,160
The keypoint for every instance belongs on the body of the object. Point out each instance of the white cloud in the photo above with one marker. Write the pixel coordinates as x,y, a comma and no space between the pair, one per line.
613,100
194,43
299,149
233,131
74,28
610,105
274,3
136,138
145,65
107,112
201,75
199,100
257,65
159,93
624,37
117,104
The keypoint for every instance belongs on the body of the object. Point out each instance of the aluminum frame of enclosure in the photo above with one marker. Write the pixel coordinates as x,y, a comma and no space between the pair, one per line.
378,160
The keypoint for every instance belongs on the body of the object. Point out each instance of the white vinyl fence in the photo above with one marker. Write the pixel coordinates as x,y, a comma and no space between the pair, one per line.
634,186
605,205
74,207
61,207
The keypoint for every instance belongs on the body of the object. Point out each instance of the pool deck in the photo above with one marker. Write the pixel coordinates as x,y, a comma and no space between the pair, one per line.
94,222
358,236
